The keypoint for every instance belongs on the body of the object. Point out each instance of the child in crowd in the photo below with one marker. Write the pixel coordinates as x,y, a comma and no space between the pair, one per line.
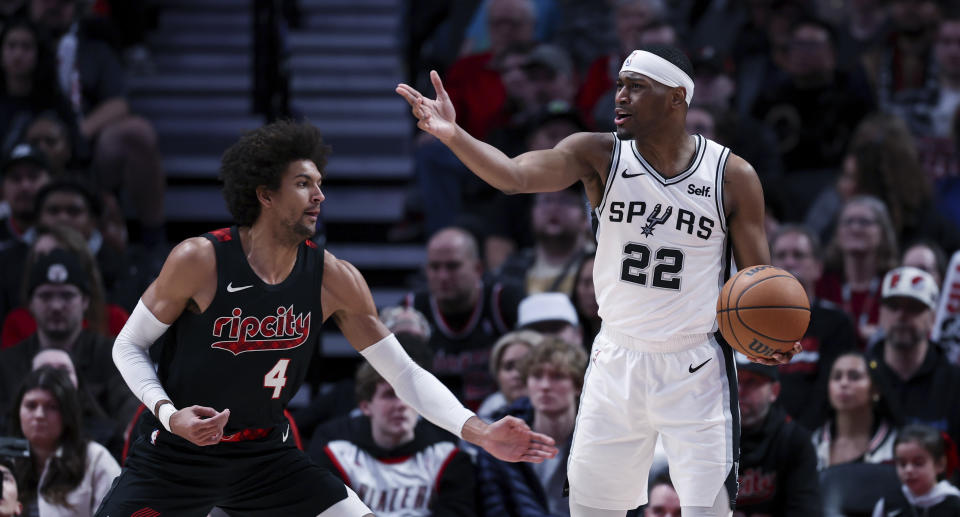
923,460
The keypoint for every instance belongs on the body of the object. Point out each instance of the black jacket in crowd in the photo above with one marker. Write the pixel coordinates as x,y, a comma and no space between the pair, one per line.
778,470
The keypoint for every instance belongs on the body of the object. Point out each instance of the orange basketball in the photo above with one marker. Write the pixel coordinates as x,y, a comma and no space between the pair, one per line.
762,310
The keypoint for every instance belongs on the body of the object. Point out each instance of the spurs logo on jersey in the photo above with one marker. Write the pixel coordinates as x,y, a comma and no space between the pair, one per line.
669,238
281,332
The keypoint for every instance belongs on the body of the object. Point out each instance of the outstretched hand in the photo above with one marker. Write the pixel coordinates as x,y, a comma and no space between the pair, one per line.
779,358
199,425
435,116
511,439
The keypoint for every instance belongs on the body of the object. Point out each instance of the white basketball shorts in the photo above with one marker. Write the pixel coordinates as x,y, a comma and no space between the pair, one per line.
683,389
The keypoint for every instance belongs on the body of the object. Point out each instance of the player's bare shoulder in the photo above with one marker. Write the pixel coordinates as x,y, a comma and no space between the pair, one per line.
344,288
188,279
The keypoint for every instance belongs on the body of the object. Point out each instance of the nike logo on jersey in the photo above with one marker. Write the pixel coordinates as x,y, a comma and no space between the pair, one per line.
625,174
286,434
698,191
695,368
232,289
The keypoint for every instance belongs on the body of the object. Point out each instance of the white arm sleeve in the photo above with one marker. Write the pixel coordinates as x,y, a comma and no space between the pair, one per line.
130,353
416,386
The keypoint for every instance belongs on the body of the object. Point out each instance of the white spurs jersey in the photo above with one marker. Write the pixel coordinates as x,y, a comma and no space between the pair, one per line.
662,244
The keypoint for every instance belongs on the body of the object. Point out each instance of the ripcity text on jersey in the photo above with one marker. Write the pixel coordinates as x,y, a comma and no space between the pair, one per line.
250,349
662,245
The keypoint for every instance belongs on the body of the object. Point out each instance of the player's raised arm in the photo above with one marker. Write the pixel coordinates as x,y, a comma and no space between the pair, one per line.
537,171
347,300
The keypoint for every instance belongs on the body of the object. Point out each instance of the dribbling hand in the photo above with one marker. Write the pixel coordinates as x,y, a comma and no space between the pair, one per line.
511,439
779,357
199,425
435,116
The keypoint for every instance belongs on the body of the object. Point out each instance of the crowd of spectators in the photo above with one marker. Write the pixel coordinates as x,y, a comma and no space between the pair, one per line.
848,111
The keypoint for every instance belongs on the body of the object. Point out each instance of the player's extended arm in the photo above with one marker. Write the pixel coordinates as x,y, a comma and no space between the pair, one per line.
744,207
536,171
187,271
347,299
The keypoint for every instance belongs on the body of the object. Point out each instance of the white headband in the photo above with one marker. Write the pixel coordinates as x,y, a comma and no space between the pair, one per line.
658,69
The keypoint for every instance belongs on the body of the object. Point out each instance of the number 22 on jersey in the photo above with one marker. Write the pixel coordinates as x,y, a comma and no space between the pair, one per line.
276,378
636,261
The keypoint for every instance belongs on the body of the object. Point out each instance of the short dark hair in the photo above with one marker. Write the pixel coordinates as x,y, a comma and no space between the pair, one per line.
260,157
673,55
73,186
815,247
932,440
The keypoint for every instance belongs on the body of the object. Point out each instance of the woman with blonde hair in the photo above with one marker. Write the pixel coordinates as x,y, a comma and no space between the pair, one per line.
505,360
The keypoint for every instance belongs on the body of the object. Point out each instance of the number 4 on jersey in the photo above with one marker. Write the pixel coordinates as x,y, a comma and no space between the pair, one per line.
276,378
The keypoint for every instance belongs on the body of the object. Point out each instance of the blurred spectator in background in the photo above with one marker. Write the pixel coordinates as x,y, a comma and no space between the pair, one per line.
662,499
550,314
947,53
48,133
25,170
10,504
778,466
124,145
467,313
105,319
813,111
916,371
505,361
585,301
923,462
759,49
492,23
927,256
28,82
862,423
902,70
508,220
398,464
559,222
886,167
473,81
97,425
830,333
66,474
863,249
59,295
553,372
76,205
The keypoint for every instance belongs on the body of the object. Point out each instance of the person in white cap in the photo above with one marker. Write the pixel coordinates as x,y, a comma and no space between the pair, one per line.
915,370
672,209
550,314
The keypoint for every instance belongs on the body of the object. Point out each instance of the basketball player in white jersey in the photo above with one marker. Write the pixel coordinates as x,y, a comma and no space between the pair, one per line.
672,209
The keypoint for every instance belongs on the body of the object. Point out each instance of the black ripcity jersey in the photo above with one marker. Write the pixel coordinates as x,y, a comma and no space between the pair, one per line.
250,349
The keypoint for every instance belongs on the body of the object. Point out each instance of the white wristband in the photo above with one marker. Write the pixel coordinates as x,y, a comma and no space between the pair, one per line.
416,386
164,413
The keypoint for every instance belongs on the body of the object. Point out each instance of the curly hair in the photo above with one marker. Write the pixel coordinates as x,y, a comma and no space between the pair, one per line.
888,168
261,157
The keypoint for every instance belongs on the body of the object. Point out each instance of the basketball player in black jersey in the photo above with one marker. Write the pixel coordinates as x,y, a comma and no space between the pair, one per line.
239,311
